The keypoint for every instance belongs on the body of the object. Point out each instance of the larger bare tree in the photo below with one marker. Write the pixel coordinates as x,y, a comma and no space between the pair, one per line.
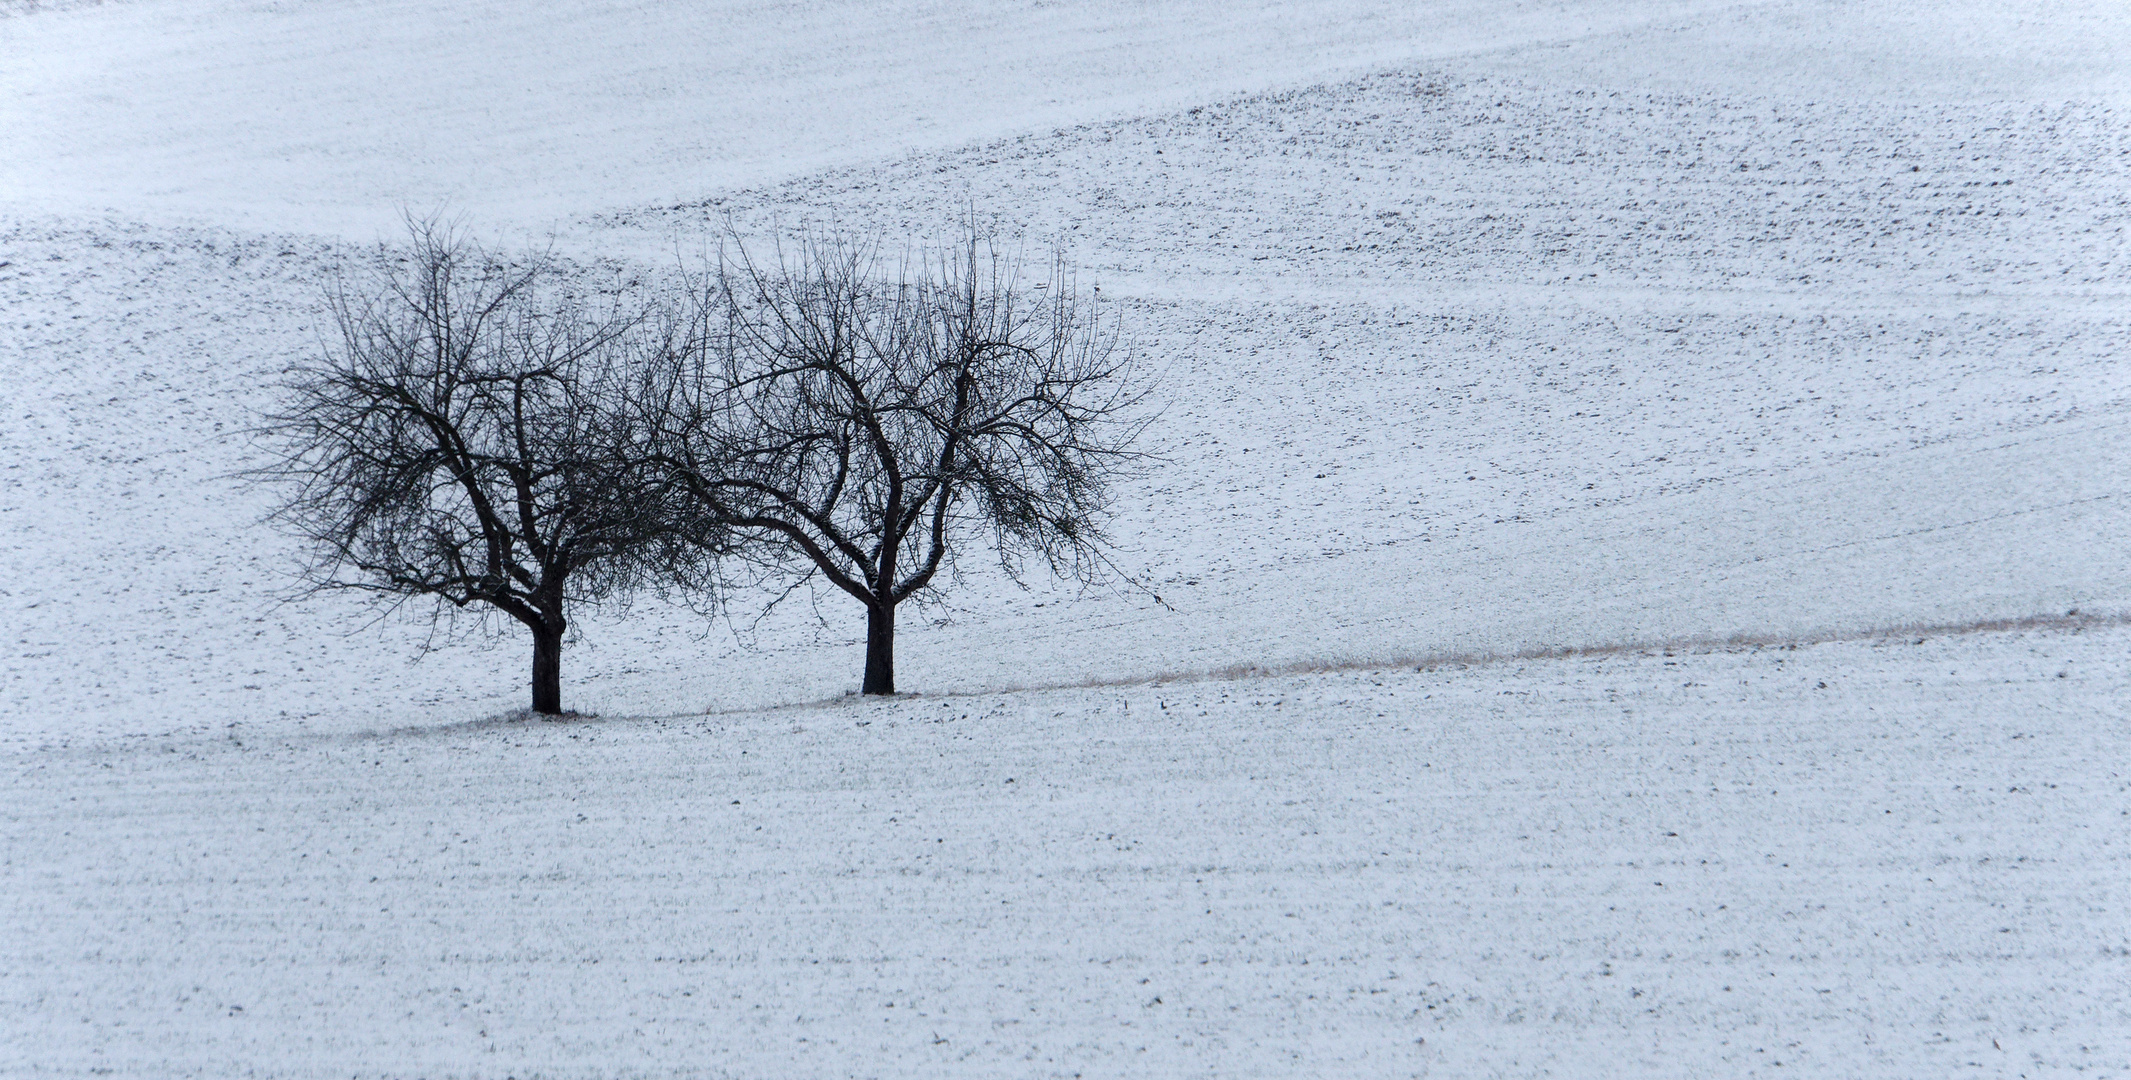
446,443
865,421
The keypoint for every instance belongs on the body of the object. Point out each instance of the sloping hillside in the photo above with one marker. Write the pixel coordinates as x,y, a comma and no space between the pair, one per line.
1538,382
1448,364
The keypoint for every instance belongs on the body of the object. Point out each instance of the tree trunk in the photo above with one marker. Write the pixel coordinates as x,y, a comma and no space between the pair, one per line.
880,649
547,670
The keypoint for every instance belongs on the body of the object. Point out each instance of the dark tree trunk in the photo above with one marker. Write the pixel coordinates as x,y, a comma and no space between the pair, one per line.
880,649
547,670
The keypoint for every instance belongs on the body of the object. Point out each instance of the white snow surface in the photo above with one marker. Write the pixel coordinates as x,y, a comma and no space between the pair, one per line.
1530,374
335,112
1901,857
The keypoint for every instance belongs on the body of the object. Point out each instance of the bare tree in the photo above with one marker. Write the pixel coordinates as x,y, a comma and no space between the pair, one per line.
448,445
844,420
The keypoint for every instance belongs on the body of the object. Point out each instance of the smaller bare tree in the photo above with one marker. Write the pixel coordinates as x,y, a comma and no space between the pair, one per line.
448,444
833,415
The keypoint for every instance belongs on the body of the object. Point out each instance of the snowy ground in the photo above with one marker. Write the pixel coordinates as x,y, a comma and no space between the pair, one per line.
1887,858
1483,329
1483,392
331,114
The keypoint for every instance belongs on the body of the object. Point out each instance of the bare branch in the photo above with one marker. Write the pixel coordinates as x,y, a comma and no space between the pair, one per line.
867,424
452,443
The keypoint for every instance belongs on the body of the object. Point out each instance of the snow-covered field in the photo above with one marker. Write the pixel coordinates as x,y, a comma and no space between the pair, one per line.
1895,858
1485,331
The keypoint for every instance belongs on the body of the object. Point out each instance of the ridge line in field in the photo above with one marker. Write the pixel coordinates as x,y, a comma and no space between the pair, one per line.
1211,287
2072,620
